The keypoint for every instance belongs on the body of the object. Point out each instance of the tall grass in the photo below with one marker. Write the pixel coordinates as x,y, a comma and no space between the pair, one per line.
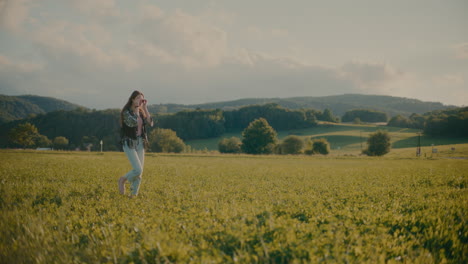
59,207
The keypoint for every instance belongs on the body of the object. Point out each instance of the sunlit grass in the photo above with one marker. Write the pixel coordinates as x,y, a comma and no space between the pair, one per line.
64,207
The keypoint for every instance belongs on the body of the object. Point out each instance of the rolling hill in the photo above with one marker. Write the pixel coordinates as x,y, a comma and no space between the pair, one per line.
339,104
19,107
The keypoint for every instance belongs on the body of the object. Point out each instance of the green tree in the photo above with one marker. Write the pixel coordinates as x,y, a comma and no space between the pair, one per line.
230,145
24,135
42,141
292,145
259,137
378,144
165,140
60,142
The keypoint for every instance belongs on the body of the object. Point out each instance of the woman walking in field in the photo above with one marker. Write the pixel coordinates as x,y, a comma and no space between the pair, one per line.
133,120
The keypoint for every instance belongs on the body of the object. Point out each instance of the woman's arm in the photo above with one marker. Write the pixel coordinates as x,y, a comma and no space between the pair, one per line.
149,119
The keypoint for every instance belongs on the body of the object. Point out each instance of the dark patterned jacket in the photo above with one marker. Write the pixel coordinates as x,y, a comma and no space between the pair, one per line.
130,127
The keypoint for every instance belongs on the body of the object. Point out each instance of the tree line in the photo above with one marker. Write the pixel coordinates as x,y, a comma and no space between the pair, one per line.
84,129
452,122
199,124
364,115
258,138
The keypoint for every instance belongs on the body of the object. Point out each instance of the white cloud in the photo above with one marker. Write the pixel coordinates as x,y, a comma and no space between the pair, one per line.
267,34
18,76
86,46
461,51
150,12
8,65
13,13
186,38
371,76
384,79
449,80
179,57
449,87
97,8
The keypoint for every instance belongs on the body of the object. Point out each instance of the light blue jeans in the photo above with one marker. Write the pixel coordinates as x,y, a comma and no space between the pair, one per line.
136,156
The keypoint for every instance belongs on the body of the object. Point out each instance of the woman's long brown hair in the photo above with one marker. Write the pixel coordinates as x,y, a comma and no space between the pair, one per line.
129,104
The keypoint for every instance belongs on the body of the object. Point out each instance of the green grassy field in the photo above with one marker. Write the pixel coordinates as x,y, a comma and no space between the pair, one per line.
64,207
344,138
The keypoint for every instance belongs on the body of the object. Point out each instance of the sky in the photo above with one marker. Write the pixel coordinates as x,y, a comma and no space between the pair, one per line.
96,52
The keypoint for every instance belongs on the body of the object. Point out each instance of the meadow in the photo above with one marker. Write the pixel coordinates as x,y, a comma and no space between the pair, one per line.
64,207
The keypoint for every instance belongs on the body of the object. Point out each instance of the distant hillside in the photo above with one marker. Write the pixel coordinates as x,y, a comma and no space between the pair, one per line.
339,104
19,107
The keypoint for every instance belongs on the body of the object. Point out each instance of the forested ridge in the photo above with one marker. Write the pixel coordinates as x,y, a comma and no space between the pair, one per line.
339,104
19,107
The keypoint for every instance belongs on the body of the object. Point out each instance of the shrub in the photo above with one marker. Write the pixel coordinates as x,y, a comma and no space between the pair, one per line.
165,140
320,146
292,145
378,144
230,145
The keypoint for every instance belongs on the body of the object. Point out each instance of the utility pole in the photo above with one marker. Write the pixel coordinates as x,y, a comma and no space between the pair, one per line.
360,138
418,149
